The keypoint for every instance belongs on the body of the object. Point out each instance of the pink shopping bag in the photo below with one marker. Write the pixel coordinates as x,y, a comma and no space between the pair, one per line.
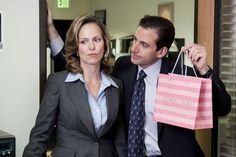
184,101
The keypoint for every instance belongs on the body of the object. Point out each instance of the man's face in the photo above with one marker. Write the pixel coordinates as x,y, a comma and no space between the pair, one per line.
143,50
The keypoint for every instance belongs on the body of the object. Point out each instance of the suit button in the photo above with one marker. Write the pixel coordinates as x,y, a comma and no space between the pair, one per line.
96,143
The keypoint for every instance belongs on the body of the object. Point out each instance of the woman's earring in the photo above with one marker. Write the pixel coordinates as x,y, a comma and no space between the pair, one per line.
105,57
106,54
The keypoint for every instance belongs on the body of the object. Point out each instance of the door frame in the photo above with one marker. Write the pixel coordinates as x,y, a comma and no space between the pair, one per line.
42,45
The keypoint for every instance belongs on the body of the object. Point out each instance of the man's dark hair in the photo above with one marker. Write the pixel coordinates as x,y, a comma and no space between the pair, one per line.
164,28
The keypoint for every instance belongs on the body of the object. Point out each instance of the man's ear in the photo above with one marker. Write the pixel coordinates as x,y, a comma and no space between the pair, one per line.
162,52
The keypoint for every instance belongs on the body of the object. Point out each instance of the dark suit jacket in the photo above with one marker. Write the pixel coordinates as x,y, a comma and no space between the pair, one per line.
65,105
173,141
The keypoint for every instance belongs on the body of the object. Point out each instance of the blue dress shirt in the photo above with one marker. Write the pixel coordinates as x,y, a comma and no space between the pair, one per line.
151,131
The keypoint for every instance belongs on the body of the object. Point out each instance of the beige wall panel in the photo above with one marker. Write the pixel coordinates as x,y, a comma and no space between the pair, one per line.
205,37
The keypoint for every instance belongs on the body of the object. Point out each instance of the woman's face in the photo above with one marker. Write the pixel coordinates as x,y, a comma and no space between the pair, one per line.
90,44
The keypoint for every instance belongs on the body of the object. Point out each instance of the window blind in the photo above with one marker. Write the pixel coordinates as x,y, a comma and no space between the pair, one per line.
227,125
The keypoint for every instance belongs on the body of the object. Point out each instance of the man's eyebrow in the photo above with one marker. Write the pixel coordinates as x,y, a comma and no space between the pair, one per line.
143,42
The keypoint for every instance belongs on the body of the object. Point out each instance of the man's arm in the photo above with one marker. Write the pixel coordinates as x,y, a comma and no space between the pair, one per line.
52,32
221,99
56,44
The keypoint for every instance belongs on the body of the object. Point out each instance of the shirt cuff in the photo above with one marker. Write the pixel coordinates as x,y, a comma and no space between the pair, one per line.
56,45
208,74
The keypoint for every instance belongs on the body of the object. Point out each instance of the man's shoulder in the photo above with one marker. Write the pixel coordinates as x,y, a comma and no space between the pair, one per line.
115,79
124,60
124,68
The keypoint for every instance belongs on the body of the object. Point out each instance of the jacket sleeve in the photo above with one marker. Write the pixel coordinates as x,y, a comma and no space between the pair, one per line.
45,121
221,99
59,61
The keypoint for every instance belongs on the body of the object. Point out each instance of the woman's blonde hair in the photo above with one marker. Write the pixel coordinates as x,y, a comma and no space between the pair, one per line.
72,39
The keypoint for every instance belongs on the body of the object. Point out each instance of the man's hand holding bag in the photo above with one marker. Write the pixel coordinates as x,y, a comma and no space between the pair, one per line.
184,101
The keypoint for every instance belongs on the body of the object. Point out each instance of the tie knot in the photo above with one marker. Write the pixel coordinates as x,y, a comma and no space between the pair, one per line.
142,75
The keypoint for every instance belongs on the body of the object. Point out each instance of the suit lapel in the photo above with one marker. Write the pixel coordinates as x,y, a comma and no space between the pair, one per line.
165,69
112,102
78,95
129,80
165,66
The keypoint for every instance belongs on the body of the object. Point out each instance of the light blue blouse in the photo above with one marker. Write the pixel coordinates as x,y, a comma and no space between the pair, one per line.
97,104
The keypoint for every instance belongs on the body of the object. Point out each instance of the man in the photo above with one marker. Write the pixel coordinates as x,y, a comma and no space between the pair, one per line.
151,43
152,40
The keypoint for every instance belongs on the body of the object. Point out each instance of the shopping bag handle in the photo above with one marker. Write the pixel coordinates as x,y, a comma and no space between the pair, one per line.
182,65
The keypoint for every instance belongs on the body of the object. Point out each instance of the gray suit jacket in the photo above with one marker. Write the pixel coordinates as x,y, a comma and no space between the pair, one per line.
65,106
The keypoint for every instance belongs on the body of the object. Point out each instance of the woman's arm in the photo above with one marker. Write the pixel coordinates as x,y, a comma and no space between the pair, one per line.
45,121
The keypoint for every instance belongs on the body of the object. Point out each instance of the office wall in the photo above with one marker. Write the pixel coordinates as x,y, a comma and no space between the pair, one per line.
19,66
123,15
77,8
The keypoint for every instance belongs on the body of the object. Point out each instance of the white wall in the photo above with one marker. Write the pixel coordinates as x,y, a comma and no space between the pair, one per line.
19,66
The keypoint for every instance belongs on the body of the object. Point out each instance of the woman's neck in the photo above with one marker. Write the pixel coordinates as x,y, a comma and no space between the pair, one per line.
92,77
91,73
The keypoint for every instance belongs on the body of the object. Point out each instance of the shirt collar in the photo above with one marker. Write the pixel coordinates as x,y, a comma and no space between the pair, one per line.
153,70
106,80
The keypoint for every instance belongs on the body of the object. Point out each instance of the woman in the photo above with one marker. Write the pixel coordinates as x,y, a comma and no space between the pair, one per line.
82,102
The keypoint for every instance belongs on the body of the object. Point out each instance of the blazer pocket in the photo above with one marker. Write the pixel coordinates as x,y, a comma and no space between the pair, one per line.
62,152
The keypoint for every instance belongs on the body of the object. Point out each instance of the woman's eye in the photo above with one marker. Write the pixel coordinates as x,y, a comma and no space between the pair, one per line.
97,39
83,42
